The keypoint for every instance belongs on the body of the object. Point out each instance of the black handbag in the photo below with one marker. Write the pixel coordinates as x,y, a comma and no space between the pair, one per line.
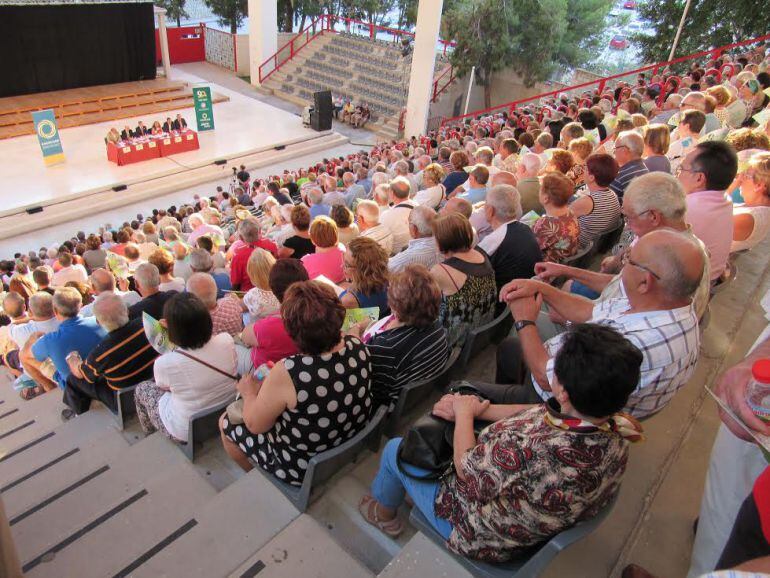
428,444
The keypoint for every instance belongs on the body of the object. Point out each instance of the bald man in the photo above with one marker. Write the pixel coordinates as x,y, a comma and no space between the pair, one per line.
226,313
655,313
103,283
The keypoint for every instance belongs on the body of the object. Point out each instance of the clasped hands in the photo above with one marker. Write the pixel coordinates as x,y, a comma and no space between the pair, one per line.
455,405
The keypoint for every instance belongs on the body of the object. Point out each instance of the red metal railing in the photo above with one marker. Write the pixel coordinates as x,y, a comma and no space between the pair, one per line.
334,24
601,83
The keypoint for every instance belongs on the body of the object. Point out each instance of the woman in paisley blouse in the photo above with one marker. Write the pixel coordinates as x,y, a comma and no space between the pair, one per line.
534,472
557,231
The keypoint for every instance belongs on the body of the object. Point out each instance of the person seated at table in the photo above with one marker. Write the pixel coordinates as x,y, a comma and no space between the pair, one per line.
156,129
141,130
113,136
126,134
537,469
168,126
179,123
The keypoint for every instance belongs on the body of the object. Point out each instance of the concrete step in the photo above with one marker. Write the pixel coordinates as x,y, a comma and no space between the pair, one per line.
101,489
303,549
424,558
29,420
230,529
35,473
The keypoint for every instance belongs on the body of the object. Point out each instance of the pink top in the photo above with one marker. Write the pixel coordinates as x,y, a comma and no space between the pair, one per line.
328,264
711,215
273,342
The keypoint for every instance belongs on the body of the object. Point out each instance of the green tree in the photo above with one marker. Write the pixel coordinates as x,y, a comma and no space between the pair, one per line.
285,15
709,23
532,37
230,12
174,9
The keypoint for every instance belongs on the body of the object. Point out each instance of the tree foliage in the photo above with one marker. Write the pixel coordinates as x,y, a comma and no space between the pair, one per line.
174,10
709,23
532,37
230,12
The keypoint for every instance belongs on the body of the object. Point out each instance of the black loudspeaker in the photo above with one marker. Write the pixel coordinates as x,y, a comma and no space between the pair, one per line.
321,117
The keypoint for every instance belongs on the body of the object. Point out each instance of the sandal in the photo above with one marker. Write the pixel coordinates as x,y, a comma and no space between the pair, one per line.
368,508
31,392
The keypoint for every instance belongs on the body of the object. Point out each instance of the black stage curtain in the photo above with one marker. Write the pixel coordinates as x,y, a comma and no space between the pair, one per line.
55,47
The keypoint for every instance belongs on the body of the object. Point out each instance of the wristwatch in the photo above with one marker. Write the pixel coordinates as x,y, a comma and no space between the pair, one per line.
519,325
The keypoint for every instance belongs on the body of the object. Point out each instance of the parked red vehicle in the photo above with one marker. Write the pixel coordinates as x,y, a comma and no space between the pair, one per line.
619,42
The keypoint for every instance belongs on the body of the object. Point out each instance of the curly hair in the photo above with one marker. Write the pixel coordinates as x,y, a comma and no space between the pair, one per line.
414,296
323,232
313,316
369,273
434,172
747,138
562,160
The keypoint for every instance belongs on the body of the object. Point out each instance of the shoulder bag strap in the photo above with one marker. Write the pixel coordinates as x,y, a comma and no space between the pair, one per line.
211,367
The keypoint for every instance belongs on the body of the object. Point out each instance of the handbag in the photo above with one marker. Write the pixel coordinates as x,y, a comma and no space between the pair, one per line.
429,443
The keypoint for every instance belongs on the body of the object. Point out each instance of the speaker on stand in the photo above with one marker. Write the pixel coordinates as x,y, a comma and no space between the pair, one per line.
321,115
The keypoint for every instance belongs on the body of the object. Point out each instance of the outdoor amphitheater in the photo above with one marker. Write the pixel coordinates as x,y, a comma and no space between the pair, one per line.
321,290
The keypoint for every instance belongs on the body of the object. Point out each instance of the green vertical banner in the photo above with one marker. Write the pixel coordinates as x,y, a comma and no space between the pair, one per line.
48,136
204,114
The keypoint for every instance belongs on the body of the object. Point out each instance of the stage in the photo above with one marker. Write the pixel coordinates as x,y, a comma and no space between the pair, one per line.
248,132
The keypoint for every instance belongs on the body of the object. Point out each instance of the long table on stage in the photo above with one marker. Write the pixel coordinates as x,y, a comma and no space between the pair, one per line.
152,148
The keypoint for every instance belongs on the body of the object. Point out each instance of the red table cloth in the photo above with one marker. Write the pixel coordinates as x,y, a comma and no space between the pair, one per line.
152,148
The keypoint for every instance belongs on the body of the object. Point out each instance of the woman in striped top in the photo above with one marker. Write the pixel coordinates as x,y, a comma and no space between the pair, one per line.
410,344
598,212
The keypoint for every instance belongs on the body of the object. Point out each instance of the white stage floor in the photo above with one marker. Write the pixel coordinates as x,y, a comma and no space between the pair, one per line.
243,125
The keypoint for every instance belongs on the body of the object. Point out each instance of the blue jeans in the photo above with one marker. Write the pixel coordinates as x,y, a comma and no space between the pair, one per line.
578,288
390,486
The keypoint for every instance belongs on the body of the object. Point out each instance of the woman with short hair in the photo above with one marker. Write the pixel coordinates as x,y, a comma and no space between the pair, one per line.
300,244
466,278
433,192
327,260
260,301
751,221
657,139
557,232
165,262
458,176
366,271
598,212
94,256
310,402
347,230
184,386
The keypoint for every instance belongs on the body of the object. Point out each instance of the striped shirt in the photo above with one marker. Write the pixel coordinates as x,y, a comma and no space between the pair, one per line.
405,355
121,359
423,251
626,174
603,217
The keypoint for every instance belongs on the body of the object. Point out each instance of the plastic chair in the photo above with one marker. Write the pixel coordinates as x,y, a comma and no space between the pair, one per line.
323,466
582,257
202,426
413,393
126,407
479,338
608,239
530,567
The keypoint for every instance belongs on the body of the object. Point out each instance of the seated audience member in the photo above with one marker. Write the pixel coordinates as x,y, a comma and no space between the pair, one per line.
433,191
21,281
123,238
75,333
259,301
598,212
561,161
147,280
306,394
94,256
299,244
557,232
706,173
133,257
84,289
315,199
68,271
226,313
267,337
409,345
164,261
202,262
751,221
511,247
489,510
629,148
327,260
42,276
103,283
353,191
528,183
145,248
476,186
150,232
580,149
396,219
368,219
122,359
183,386
689,132
366,272
459,160
466,278
181,268
347,230
248,231
421,248
657,140
655,312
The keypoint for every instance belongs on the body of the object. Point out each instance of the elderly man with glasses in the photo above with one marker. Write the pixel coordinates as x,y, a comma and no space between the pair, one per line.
629,148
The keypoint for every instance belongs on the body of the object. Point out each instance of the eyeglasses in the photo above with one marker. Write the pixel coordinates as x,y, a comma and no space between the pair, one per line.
631,217
643,268
682,169
620,147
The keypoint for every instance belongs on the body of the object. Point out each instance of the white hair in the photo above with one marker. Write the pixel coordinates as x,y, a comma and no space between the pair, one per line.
657,191
506,202
532,163
110,311
203,286
633,141
147,275
421,218
379,178
370,211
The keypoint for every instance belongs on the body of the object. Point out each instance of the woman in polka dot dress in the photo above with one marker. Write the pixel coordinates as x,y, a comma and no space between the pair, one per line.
309,402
